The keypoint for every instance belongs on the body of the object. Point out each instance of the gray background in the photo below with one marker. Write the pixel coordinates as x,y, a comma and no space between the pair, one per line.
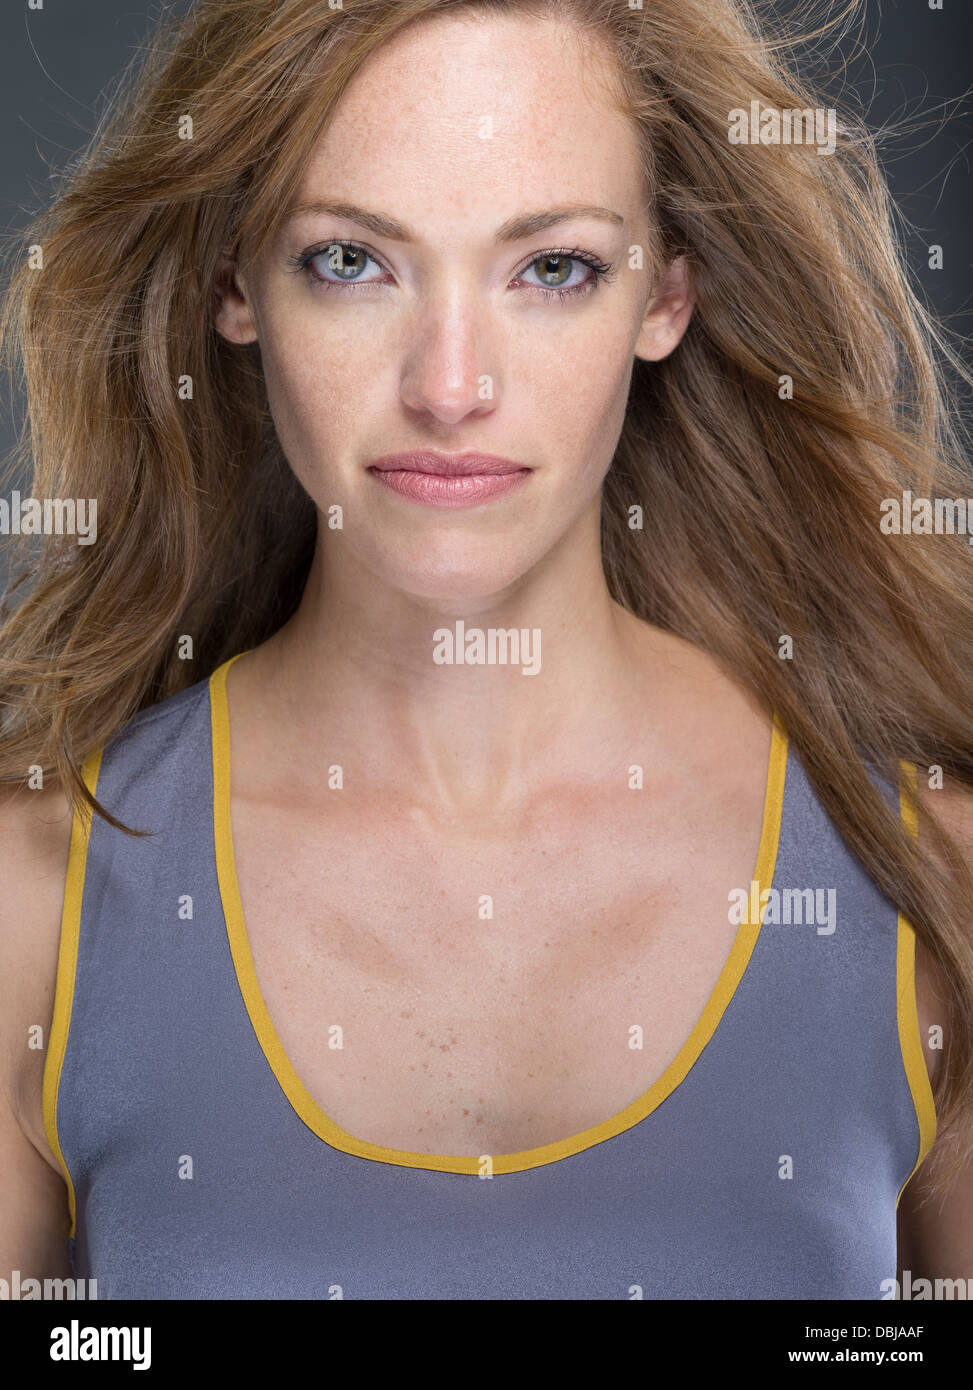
57,66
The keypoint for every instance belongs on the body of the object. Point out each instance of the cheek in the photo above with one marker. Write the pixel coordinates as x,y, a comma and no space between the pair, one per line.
578,396
317,389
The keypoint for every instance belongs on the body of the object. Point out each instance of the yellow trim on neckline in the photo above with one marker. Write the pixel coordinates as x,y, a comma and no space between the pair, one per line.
324,1127
67,962
907,1013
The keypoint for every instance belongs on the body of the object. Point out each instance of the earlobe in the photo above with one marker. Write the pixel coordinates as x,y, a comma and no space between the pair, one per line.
667,315
232,315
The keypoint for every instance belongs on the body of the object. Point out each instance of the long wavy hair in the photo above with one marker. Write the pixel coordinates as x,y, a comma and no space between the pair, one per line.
761,507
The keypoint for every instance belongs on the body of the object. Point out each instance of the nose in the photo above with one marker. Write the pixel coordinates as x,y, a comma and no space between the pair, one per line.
447,375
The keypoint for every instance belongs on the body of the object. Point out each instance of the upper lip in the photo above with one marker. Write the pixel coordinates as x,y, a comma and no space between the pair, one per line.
445,465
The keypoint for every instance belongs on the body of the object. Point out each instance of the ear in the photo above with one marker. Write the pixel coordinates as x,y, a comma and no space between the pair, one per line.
668,313
232,313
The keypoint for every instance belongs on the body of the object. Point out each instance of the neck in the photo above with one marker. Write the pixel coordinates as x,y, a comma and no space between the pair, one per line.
429,697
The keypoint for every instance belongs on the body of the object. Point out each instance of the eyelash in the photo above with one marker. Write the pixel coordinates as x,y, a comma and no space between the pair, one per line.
601,270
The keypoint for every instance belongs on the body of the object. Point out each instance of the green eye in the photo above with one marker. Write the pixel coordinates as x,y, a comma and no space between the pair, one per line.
345,260
566,273
339,263
554,270
345,263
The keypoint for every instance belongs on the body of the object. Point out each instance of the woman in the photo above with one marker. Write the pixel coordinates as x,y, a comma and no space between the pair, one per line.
491,678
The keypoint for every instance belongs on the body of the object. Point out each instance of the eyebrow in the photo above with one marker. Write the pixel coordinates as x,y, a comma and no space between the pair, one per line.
514,229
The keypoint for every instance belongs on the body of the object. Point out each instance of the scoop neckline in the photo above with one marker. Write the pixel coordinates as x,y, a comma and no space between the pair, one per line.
331,1133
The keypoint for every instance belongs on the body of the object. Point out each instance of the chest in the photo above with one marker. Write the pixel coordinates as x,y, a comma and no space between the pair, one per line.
495,988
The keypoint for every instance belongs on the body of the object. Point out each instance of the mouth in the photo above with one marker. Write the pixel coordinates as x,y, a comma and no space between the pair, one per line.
448,480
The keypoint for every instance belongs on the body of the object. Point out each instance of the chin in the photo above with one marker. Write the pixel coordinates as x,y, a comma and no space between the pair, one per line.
457,578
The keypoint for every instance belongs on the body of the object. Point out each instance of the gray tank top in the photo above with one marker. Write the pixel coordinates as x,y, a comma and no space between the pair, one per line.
765,1163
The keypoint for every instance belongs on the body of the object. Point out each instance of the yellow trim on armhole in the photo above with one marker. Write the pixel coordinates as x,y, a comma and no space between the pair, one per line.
67,960
910,1039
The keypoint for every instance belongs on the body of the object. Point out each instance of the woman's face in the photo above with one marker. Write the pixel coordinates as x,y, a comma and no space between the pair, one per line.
450,318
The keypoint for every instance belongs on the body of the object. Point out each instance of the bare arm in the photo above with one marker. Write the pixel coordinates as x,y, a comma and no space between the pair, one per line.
35,832
935,1220
33,1209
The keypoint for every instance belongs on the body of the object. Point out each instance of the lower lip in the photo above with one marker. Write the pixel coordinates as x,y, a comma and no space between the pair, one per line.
437,490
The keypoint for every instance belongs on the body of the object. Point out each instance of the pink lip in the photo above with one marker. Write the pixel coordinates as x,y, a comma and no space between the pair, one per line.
447,480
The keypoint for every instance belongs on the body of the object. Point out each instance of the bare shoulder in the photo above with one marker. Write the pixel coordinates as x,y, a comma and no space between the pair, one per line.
952,803
936,1209
35,837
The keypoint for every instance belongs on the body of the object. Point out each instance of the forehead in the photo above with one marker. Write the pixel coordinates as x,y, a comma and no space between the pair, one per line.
462,117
